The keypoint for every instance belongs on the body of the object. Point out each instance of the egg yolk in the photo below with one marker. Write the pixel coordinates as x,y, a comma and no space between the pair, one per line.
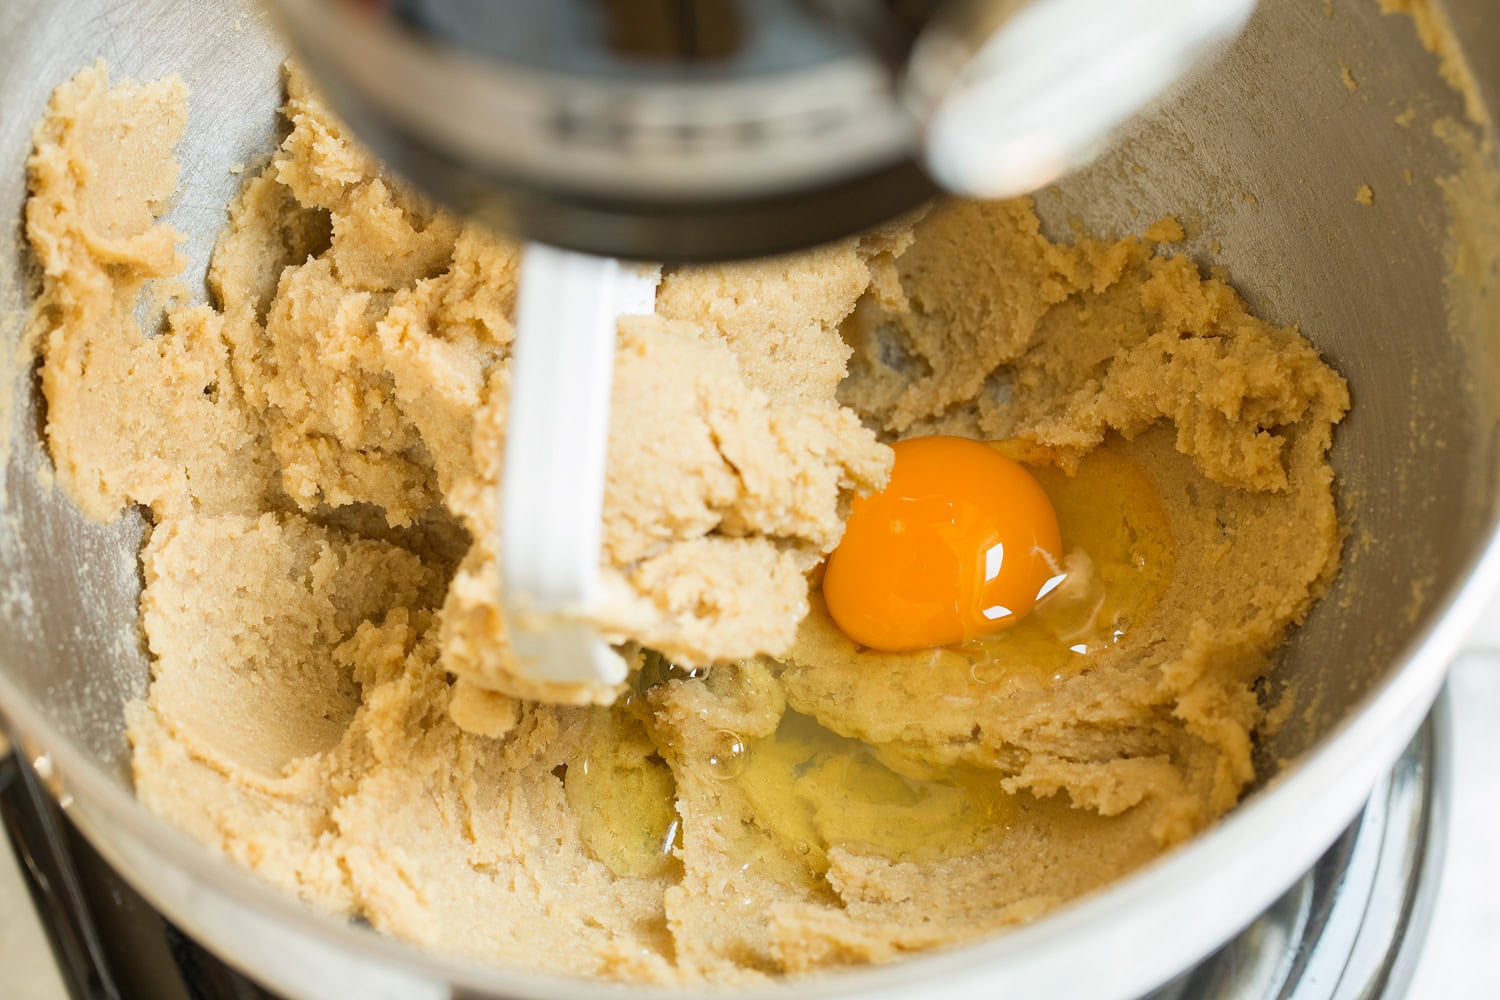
961,543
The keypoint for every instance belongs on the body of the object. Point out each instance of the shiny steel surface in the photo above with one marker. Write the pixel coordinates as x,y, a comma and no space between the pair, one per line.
1263,157
537,91
791,140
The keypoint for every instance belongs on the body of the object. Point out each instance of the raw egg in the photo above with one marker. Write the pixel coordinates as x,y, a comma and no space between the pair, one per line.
960,544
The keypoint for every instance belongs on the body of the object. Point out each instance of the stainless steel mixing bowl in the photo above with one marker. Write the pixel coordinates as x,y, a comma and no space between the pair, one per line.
1262,158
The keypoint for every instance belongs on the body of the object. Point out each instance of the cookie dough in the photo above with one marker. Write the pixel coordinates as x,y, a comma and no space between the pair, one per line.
333,705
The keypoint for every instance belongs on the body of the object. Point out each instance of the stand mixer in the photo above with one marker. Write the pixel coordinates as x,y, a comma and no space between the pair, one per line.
687,130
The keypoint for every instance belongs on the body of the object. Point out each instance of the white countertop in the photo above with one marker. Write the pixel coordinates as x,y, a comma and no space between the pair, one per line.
29,973
1457,963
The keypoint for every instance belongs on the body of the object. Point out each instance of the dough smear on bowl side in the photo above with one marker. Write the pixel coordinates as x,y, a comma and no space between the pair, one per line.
332,702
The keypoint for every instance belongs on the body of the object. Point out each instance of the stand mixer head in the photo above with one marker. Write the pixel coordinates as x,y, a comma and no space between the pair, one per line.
682,130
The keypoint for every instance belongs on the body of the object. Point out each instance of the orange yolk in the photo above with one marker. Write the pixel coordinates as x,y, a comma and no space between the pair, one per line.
961,543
